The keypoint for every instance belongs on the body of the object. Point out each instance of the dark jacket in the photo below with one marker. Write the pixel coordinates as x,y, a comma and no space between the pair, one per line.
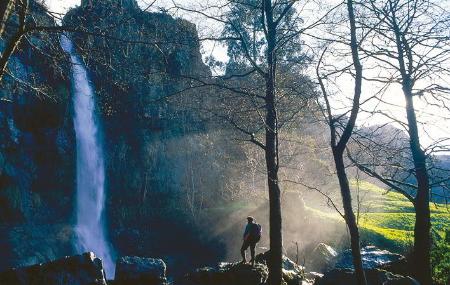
252,230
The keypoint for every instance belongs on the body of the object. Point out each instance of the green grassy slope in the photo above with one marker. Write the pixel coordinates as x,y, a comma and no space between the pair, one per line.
389,216
389,221
386,220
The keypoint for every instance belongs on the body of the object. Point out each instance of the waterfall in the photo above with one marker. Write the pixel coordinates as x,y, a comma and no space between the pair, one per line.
90,199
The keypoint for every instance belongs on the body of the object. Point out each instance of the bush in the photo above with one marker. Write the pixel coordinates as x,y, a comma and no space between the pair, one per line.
440,261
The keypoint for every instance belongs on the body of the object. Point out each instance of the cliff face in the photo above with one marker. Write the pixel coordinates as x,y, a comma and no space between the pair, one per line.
135,57
161,159
36,148
115,3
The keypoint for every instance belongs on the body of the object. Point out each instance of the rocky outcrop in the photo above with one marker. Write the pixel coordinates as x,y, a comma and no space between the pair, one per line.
373,258
373,277
322,259
288,264
84,269
229,273
137,58
140,271
238,273
132,4
36,148
293,274
27,245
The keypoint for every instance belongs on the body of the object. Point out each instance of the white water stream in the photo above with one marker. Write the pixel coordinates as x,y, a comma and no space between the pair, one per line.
90,203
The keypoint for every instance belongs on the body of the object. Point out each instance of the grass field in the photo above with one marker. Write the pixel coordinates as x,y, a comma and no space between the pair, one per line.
387,220
390,216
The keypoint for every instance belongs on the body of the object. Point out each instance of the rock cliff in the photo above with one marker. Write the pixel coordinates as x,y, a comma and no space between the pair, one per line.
161,159
36,148
159,152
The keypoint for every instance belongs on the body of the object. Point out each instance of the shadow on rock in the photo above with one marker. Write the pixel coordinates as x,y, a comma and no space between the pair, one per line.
84,269
373,276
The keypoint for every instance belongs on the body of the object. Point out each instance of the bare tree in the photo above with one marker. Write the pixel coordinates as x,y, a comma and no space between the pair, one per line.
341,130
13,42
410,47
260,43
6,8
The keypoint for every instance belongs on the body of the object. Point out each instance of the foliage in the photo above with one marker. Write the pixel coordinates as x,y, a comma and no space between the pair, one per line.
244,22
440,260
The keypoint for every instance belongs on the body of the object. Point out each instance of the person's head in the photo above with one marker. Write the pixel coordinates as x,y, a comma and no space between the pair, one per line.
250,219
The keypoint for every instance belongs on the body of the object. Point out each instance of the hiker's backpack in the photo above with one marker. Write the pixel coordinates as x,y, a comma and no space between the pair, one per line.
256,230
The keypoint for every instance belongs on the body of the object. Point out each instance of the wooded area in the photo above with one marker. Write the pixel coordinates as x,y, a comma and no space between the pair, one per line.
290,64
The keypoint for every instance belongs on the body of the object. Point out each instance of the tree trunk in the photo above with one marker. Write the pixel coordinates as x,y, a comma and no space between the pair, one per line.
276,239
422,228
339,148
6,7
349,216
10,48
13,43
271,154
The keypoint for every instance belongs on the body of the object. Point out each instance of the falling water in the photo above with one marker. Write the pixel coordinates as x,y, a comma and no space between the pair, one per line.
90,228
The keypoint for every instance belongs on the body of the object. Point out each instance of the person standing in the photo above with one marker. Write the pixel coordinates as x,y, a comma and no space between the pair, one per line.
252,235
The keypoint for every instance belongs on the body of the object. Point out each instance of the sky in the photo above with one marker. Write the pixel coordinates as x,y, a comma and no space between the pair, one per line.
435,125
61,6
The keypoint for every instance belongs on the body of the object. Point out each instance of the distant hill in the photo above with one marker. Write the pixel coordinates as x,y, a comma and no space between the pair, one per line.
442,193
383,148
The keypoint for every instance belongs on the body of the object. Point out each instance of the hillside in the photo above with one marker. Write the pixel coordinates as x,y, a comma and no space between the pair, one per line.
386,220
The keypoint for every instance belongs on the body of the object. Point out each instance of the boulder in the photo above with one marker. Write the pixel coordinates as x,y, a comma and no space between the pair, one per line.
288,264
229,273
84,269
313,275
323,258
373,277
245,274
292,278
140,270
374,257
293,273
